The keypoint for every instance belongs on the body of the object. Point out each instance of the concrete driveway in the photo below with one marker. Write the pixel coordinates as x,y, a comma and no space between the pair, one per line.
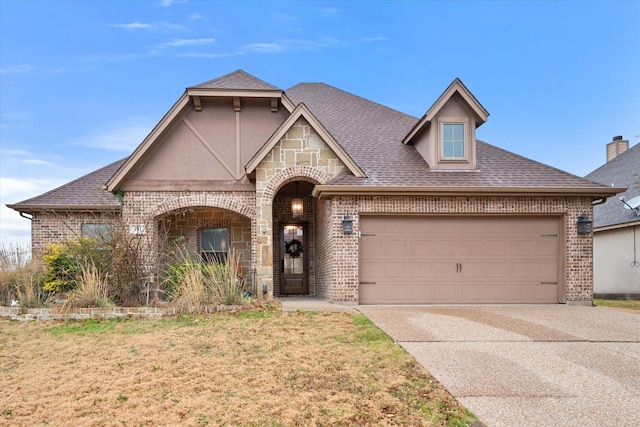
551,365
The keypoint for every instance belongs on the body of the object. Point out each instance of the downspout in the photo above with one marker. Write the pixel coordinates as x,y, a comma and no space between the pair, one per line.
596,202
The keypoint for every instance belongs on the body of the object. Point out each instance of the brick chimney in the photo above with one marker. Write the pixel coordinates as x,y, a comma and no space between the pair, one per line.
616,147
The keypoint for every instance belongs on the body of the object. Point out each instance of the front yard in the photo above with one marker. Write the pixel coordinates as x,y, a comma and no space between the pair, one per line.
255,367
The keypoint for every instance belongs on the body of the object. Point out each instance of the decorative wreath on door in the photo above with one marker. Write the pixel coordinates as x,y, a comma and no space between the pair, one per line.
293,248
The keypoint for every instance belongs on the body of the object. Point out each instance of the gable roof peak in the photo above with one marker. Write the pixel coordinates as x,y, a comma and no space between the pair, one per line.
236,80
458,87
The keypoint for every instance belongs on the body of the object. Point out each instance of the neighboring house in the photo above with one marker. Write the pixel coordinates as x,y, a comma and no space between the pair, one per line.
325,193
616,233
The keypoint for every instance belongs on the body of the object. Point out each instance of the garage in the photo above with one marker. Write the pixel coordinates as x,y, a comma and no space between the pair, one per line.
455,259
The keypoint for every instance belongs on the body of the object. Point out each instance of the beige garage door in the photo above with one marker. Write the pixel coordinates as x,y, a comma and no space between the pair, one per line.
422,260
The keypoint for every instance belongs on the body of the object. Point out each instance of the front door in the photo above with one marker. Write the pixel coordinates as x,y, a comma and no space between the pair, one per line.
293,262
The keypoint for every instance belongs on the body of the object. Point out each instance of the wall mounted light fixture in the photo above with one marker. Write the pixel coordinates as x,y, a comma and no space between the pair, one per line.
585,225
297,206
347,225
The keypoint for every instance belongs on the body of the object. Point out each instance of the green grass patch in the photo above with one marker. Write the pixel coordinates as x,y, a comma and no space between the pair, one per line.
615,303
85,327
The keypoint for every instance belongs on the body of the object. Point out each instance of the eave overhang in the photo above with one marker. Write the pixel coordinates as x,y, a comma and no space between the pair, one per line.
75,208
635,223
455,87
321,191
302,111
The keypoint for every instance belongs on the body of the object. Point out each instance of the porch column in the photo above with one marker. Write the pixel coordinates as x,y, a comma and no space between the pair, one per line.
264,244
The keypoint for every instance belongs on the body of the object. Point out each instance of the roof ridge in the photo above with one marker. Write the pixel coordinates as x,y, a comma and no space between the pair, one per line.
618,159
353,95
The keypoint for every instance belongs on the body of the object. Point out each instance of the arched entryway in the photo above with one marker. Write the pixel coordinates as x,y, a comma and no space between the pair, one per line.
294,239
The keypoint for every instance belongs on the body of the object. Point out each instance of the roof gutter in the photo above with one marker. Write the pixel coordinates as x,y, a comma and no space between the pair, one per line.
77,208
598,194
24,215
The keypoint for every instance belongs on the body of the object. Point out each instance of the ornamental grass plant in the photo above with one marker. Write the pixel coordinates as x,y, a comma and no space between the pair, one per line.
91,290
21,278
192,283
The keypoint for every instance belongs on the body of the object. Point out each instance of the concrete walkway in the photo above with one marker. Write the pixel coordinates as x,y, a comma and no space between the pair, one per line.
551,365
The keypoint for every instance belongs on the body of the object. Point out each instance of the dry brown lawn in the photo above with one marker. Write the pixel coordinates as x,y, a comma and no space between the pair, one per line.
258,367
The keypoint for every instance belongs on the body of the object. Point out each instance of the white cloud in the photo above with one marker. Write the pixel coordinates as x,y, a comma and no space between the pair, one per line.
327,11
374,39
15,153
37,162
121,138
207,55
167,3
15,229
133,26
264,47
14,190
188,42
17,69
285,45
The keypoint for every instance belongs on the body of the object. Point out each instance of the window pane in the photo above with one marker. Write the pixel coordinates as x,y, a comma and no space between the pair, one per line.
453,140
103,232
214,244
214,239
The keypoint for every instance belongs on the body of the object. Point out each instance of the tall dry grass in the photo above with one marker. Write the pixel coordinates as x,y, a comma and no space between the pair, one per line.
193,283
92,289
21,278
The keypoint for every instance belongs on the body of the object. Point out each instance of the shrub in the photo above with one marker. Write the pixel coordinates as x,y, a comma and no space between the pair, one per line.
62,269
116,260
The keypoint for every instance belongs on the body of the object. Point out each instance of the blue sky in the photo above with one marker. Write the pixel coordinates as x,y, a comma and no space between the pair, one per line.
83,82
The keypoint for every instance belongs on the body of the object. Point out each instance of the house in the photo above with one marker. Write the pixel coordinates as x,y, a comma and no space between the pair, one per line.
616,232
325,193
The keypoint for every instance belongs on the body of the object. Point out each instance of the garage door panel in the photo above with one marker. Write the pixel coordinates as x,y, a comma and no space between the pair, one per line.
520,248
475,247
420,247
446,293
395,248
520,269
460,260
370,248
395,270
544,247
472,270
444,248
421,270
444,269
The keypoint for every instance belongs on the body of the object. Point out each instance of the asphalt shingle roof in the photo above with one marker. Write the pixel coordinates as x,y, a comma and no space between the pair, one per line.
83,193
238,80
370,133
622,172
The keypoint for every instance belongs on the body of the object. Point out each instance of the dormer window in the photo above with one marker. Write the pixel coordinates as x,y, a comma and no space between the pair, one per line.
453,146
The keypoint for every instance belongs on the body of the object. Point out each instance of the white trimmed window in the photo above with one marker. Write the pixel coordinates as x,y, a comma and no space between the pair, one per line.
214,244
453,144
